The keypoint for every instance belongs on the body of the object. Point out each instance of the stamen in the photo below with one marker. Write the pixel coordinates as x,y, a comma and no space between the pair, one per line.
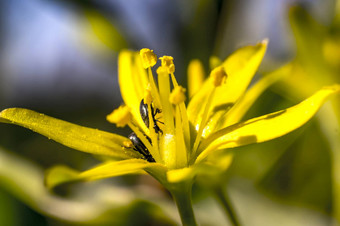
184,119
153,135
154,90
177,95
203,122
167,62
168,116
145,141
182,154
164,88
149,59
121,116
217,75
147,95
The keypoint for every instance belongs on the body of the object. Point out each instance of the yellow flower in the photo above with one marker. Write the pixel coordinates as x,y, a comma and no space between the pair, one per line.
179,137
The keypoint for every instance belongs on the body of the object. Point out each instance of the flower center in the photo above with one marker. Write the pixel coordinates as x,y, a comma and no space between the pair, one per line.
166,136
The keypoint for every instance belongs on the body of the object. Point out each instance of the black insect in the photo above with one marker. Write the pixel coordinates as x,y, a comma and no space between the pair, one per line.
144,112
140,147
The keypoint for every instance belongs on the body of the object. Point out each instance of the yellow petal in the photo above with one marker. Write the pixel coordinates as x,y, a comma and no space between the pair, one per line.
181,152
198,102
236,113
196,76
71,135
240,67
62,174
267,127
133,82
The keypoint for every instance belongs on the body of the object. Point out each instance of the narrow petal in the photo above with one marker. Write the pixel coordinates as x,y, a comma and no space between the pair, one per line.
185,126
196,105
133,81
81,138
196,76
240,67
267,127
181,149
62,174
236,113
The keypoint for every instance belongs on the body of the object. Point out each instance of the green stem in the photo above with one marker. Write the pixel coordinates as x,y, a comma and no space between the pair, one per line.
223,198
182,196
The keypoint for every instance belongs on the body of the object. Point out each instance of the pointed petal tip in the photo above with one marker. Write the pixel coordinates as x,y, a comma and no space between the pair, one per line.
270,126
265,41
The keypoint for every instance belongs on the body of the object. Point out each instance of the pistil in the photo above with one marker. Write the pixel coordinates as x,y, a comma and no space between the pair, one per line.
217,76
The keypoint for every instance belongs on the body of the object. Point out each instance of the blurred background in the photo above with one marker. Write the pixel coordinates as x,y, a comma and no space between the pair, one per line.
60,58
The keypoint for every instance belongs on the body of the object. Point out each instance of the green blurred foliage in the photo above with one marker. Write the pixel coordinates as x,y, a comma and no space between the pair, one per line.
306,173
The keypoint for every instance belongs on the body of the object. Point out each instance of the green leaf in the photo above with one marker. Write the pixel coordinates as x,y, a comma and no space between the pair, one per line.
304,26
62,174
267,127
24,180
316,56
71,135
103,31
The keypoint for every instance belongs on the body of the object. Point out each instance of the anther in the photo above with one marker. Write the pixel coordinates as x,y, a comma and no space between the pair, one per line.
121,116
127,144
168,62
149,59
177,95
